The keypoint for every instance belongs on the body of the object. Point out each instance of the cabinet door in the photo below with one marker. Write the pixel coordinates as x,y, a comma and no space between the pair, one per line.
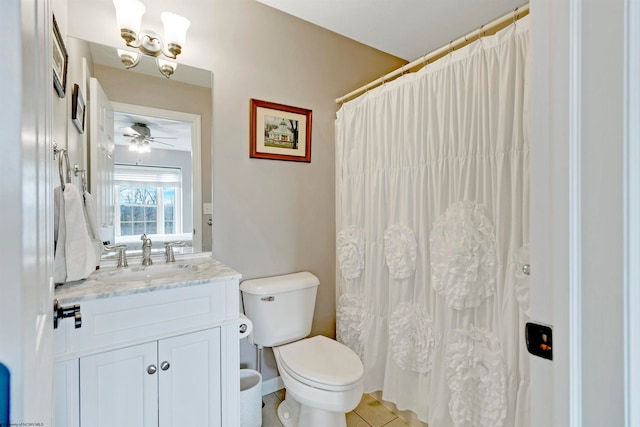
190,380
117,388
67,401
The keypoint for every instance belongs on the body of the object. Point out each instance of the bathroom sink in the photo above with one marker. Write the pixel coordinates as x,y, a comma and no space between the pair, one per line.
145,273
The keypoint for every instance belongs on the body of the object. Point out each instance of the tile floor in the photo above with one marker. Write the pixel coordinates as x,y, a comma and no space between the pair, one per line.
369,413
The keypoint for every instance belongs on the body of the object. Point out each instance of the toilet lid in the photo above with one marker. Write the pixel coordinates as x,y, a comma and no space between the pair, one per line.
321,361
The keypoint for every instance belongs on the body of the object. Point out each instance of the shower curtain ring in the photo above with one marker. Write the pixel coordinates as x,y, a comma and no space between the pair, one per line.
515,16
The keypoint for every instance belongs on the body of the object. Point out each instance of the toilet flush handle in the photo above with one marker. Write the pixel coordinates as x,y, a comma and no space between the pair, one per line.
269,298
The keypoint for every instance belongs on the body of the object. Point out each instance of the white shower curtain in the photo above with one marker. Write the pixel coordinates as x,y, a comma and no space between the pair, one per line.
432,174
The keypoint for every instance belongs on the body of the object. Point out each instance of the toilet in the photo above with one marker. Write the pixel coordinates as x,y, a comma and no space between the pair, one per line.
322,377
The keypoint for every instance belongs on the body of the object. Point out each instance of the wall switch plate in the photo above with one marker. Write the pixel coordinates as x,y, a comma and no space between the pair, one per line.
207,208
539,340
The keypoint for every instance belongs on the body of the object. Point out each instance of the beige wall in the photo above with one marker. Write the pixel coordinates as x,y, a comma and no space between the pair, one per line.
65,133
269,217
124,86
275,217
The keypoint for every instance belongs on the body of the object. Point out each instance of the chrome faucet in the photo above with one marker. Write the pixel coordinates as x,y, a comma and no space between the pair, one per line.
146,250
168,250
122,254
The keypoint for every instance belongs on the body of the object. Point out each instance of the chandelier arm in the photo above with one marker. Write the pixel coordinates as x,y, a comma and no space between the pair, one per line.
135,44
148,42
170,54
138,43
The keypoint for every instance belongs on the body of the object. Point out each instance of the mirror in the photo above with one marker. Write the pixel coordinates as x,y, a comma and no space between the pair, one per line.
160,181
156,181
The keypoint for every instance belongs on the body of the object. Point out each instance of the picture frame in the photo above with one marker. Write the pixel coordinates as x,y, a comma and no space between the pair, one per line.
78,108
60,60
279,132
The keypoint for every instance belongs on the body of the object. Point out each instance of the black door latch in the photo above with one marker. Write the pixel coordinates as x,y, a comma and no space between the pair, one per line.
60,312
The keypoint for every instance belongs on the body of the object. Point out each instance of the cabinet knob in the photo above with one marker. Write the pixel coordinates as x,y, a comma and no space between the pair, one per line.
165,365
151,369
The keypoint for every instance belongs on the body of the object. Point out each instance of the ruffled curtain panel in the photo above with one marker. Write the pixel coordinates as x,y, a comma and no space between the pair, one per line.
432,175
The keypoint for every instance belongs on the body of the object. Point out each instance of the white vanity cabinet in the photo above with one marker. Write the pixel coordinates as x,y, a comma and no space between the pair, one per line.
115,389
171,382
151,356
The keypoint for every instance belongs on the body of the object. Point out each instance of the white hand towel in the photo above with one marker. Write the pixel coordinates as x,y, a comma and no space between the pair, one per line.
91,219
75,257
59,237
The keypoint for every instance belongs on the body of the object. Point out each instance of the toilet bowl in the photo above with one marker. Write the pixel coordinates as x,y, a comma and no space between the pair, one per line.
322,377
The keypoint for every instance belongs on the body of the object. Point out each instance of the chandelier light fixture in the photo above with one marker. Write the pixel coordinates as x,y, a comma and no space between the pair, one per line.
129,16
139,147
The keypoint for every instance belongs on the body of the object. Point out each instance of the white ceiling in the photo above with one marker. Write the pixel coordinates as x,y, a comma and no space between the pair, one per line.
407,29
170,134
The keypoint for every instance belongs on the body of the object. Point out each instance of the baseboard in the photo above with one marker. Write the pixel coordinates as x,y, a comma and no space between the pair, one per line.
271,385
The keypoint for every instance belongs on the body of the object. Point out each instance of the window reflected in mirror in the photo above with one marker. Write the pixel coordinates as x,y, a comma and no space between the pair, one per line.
152,181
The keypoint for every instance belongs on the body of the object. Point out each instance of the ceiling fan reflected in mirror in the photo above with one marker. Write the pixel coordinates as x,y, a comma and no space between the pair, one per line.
141,138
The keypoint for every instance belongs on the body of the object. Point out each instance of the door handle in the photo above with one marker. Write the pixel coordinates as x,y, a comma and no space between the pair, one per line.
60,312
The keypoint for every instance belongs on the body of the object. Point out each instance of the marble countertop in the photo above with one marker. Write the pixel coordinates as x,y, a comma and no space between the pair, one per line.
109,281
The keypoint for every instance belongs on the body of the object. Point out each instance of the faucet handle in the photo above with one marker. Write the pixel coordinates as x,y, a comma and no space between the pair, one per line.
168,250
122,254
145,240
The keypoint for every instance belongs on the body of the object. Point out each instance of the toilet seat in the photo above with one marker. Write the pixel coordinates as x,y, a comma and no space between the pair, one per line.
322,363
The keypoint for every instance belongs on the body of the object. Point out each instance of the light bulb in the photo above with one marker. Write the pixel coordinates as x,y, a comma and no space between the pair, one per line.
175,31
129,15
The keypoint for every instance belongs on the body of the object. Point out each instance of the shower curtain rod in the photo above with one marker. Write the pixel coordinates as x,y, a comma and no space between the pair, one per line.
494,26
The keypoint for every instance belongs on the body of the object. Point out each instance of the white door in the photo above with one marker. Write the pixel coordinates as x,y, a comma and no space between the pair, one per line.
120,388
189,380
579,246
26,257
101,147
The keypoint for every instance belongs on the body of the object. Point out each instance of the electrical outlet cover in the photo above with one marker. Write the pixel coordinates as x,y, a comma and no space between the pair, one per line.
539,340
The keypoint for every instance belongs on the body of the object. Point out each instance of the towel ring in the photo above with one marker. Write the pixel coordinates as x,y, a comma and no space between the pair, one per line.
83,176
63,153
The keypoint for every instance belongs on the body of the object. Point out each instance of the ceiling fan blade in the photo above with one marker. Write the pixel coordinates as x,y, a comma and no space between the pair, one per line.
164,143
161,137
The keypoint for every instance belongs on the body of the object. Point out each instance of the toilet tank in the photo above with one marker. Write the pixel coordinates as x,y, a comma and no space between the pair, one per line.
280,307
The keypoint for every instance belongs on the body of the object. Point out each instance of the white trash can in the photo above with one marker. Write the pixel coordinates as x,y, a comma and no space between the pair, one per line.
250,398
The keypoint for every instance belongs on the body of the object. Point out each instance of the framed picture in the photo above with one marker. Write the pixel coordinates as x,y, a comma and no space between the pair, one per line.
77,108
60,59
279,132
